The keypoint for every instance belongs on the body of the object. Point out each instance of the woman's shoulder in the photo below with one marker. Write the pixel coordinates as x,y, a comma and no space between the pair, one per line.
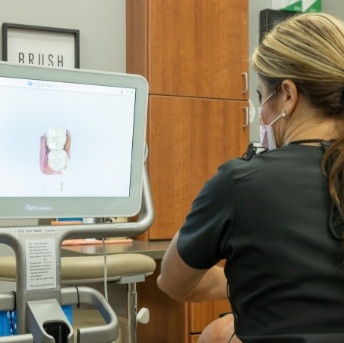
270,160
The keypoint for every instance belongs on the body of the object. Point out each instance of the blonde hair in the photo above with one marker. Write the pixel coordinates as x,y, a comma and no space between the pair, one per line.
309,50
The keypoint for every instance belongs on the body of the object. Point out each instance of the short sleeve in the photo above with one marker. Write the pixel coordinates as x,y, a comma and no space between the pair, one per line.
202,237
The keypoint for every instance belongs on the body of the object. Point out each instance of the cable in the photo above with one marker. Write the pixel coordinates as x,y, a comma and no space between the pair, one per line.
78,297
12,314
105,270
236,322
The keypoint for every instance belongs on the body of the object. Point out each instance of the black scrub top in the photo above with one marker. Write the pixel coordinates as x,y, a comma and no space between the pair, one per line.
269,218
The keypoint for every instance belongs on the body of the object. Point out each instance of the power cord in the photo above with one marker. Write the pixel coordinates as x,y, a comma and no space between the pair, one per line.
105,270
104,245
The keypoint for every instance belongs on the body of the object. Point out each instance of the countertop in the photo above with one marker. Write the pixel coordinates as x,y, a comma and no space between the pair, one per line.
155,249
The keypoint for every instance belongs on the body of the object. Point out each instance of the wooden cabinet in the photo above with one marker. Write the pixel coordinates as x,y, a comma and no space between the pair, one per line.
168,318
194,54
201,314
173,321
194,48
188,138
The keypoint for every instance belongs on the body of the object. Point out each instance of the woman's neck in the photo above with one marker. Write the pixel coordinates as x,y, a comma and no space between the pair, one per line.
315,128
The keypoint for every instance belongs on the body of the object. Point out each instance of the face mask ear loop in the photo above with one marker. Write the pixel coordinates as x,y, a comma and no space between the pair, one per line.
282,115
268,98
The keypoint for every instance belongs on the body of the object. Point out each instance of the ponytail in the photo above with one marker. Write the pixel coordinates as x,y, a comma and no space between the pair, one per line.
333,167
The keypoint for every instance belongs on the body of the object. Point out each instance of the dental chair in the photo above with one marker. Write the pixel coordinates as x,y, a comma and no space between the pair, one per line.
122,269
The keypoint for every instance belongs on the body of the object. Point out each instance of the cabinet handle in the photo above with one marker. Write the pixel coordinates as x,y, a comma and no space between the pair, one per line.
246,116
245,75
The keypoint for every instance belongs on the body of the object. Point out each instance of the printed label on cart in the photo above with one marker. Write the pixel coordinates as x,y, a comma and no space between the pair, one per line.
28,231
40,264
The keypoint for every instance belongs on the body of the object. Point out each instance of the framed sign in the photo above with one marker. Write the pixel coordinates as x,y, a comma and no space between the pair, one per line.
39,45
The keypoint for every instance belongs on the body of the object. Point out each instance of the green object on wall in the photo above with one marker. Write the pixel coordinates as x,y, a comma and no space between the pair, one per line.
297,6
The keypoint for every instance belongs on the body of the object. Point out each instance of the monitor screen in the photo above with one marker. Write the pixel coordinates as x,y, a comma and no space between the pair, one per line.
72,142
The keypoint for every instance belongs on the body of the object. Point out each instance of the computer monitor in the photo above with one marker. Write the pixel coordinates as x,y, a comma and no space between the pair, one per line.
72,142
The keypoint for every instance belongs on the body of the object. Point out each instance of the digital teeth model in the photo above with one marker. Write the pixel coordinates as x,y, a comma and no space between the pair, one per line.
57,160
56,138
55,150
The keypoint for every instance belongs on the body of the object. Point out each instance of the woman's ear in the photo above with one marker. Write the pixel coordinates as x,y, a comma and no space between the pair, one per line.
290,96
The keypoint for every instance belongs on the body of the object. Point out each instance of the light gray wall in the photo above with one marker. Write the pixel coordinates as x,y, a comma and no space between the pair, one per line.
335,7
101,24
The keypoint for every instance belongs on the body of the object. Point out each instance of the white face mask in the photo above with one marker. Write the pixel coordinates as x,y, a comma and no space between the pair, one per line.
267,136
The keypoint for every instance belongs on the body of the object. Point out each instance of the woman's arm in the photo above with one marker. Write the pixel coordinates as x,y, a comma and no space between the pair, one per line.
184,283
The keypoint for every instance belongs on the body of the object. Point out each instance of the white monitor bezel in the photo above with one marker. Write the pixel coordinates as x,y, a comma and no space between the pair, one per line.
13,208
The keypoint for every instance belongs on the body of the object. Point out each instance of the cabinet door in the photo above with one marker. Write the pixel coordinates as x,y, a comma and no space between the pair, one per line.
195,48
188,138
168,319
193,338
201,314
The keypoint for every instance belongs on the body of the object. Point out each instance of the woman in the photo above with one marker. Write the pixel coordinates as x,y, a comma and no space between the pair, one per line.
276,217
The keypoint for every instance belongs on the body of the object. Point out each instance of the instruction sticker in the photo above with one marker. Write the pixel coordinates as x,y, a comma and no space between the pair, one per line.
40,264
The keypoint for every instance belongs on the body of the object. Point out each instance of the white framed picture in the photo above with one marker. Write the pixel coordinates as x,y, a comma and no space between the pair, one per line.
41,46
